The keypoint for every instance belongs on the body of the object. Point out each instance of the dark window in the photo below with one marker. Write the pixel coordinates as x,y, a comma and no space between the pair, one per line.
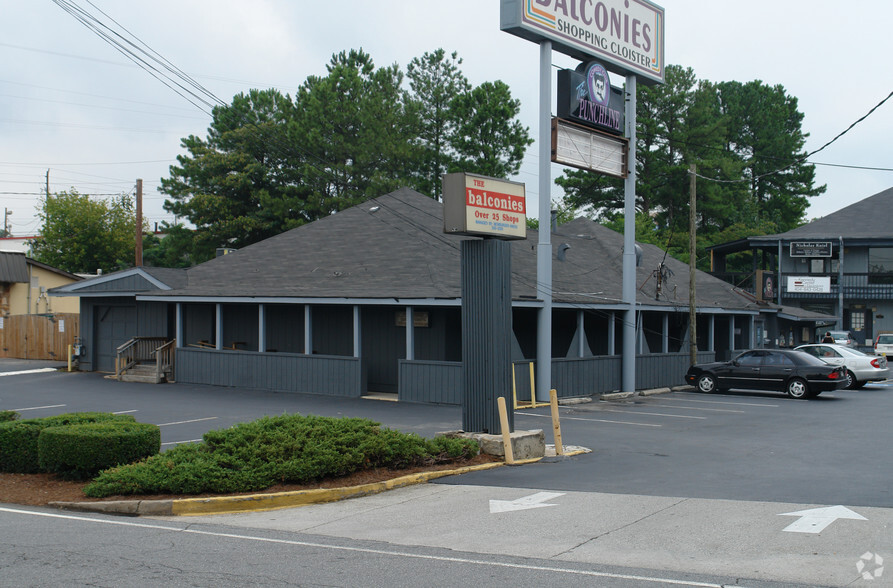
750,359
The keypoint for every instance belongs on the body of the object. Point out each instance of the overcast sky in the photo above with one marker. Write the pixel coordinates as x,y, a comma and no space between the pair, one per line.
73,105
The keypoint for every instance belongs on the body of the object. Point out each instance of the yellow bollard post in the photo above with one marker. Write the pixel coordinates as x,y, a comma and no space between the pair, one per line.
69,357
506,434
556,426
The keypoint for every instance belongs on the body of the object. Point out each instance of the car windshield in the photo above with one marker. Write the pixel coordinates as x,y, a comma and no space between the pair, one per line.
840,334
885,339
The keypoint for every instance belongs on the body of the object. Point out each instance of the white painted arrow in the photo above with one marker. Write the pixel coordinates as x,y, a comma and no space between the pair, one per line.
815,520
533,501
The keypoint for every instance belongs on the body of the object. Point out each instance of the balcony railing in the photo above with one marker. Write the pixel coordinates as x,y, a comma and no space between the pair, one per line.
869,285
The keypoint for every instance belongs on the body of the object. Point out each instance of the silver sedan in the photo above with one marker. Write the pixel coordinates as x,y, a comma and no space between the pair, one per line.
860,367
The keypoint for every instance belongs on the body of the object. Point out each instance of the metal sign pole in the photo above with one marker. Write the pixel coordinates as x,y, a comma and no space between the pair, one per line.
544,246
628,372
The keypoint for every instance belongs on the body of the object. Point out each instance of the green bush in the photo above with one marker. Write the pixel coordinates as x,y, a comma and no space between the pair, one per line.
18,439
81,451
283,449
8,415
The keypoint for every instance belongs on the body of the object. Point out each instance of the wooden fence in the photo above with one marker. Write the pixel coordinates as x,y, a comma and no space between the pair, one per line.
38,336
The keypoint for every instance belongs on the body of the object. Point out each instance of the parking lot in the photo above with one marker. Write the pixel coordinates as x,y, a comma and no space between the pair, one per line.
676,483
737,445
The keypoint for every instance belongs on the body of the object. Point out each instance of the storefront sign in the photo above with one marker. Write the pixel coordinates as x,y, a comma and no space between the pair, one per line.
484,207
811,284
811,249
585,96
629,34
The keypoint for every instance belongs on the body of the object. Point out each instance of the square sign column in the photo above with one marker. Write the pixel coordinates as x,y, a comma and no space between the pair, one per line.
496,210
486,334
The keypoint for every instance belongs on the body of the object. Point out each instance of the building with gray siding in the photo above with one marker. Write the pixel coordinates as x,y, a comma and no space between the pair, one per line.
369,300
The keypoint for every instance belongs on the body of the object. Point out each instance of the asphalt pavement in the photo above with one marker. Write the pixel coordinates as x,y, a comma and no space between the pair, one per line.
742,488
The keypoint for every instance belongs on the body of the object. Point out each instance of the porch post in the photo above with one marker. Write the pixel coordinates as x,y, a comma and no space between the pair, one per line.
261,329
711,330
731,332
611,333
581,334
308,330
218,324
356,331
410,335
665,334
178,327
751,326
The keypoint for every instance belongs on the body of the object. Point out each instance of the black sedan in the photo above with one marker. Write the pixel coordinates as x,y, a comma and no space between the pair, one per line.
798,374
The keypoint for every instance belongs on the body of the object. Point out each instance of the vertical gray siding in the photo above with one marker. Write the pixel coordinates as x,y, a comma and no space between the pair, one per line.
285,328
440,382
285,372
430,382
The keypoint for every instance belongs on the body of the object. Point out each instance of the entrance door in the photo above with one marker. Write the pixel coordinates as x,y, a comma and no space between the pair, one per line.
859,322
383,345
113,326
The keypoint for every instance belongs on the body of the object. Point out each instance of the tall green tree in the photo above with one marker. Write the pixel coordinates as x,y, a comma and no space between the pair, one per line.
174,249
435,81
352,133
731,132
764,132
238,186
270,162
489,139
84,234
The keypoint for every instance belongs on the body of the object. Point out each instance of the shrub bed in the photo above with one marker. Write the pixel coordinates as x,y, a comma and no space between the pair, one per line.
282,449
81,451
8,415
18,439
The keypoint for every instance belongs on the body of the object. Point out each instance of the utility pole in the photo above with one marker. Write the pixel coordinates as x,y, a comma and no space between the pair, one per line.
139,223
6,214
48,183
692,259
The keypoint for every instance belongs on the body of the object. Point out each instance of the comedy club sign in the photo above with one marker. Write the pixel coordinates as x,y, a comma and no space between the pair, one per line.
585,96
484,207
629,34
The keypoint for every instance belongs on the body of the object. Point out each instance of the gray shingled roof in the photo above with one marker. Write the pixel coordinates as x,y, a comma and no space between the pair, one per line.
13,268
394,247
866,219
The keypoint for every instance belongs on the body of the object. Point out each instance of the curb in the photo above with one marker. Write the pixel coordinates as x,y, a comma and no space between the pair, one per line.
646,392
258,502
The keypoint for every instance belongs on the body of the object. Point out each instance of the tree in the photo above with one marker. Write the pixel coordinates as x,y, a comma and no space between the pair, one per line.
435,82
352,133
270,163
83,234
730,131
238,186
175,249
488,140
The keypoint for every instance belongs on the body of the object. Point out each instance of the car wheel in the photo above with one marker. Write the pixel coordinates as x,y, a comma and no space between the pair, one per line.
707,384
851,381
797,388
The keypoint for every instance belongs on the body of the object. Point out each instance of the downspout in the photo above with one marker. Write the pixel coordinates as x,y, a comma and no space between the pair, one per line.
840,285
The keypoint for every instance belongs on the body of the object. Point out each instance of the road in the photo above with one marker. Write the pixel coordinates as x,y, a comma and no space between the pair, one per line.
680,489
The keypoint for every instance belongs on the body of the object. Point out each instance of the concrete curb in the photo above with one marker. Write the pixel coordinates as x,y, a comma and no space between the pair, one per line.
258,502
646,392
278,500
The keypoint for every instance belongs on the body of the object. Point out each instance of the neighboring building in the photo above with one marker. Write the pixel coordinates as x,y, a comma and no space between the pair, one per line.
840,265
369,299
24,283
32,324
21,244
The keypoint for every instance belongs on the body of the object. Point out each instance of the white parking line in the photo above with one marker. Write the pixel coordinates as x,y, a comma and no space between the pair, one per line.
184,422
565,418
38,407
723,402
125,411
36,371
698,408
675,416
